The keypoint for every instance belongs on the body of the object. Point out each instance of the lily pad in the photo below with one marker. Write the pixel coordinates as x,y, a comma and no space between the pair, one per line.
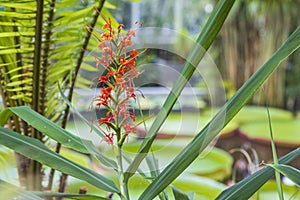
269,191
284,132
186,125
259,114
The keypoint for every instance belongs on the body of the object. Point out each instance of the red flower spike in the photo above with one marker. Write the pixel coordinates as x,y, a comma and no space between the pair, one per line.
109,138
129,128
134,53
117,85
103,79
104,120
130,92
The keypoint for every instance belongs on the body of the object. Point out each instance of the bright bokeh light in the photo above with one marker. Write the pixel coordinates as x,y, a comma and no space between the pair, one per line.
208,8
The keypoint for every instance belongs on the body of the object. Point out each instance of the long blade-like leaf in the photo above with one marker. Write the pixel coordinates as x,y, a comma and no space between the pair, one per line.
55,132
36,150
205,39
275,158
47,127
213,128
178,194
289,171
248,186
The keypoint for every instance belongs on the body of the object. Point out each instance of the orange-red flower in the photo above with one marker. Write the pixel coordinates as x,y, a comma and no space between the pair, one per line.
117,88
134,53
103,79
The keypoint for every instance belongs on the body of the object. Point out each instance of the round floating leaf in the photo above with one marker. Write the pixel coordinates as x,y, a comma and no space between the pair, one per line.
284,132
186,125
257,113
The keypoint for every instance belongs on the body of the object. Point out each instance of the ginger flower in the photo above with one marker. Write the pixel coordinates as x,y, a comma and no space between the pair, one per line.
117,91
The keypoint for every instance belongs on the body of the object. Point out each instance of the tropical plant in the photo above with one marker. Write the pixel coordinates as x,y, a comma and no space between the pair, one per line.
36,150
42,44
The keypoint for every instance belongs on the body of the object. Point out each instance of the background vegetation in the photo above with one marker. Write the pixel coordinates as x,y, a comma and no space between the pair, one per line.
43,44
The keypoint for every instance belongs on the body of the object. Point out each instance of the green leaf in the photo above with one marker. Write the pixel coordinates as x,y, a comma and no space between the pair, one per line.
70,196
4,116
205,39
17,69
19,24
36,150
17,15
178,194
17,83
18,76
23,6
109,5
248,186
58,134
88,67
10,191
19,89
212,129
13,51
55,132
50,129
288,171
275,158
80,14
13,34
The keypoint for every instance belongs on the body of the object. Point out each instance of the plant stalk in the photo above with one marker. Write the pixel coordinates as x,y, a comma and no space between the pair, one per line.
123,184
45,65
275,158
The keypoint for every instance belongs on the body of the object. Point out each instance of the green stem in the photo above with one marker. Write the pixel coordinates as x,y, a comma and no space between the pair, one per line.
275,158
123,184
35,178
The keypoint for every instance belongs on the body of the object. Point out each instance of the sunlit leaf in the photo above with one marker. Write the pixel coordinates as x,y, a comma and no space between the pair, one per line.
24,6
10,191
35,150
12,51
50,129
18,15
